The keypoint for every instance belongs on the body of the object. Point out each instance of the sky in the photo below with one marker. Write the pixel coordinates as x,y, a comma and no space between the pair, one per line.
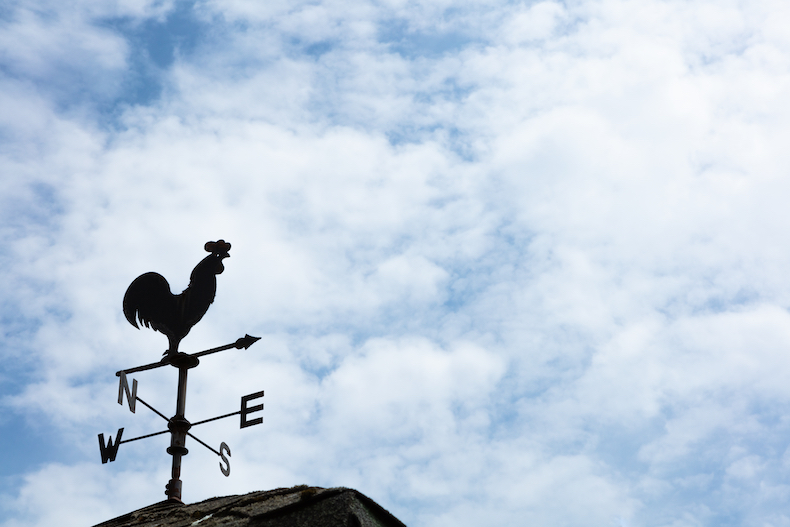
511,262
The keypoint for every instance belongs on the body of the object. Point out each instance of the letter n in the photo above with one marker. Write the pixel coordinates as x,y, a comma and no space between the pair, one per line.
123,386
109,451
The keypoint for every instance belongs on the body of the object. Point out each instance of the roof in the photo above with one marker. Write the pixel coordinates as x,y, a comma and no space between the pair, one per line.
300,506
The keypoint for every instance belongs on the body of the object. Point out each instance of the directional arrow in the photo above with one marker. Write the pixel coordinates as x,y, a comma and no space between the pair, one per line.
244,342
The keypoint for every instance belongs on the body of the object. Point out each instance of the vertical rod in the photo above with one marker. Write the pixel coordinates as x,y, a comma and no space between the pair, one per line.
173,487
182,391
178,434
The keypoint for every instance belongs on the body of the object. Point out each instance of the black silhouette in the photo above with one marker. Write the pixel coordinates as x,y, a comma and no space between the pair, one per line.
149,298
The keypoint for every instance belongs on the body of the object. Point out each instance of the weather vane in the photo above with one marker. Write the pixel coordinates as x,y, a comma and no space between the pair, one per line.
150,301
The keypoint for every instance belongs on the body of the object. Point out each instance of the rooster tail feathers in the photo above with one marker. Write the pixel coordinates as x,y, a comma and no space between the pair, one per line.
130,304
146,299
130,314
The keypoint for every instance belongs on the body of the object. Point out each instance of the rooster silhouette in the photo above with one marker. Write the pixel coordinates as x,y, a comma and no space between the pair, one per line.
149,299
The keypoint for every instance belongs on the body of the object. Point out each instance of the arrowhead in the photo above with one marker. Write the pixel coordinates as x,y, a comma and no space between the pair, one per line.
246,341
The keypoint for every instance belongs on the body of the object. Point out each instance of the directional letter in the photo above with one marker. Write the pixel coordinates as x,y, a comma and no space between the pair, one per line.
109,451
245,410
123,386
222,448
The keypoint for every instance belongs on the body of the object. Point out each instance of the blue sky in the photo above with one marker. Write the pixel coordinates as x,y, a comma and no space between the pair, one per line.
510,262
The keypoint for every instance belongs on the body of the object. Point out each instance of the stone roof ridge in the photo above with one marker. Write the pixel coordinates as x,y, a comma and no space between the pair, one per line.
337,506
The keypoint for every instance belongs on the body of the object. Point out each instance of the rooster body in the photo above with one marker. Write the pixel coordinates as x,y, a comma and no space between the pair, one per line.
149,299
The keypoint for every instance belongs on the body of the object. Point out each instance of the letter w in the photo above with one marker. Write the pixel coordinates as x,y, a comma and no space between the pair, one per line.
109,451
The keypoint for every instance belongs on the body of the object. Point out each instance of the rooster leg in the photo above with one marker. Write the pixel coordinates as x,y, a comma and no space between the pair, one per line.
173,350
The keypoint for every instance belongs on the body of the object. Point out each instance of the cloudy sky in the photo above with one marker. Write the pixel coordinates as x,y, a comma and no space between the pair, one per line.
511,263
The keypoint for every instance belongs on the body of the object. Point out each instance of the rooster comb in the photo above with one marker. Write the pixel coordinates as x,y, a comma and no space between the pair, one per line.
217,247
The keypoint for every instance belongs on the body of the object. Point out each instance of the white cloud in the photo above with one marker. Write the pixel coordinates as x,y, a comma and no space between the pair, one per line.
510,263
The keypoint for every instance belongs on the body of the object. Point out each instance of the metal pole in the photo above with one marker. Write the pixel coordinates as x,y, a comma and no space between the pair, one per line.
179,426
